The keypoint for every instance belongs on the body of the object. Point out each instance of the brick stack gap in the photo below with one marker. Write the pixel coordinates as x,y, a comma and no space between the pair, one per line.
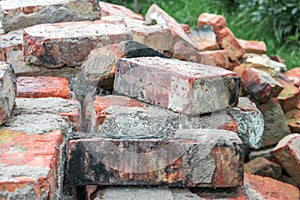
108,104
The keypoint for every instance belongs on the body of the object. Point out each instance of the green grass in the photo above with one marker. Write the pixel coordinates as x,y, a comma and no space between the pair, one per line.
240,23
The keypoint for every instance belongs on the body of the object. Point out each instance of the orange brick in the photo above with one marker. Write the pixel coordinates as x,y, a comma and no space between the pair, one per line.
43,86
218,22
108,9
251,46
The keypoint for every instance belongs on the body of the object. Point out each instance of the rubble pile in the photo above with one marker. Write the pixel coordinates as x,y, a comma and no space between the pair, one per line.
99,102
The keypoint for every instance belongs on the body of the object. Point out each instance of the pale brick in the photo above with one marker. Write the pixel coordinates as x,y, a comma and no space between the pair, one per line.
188,158
29,165
20,14
250,122
251,46
287,153
68,43
180,86
218,22
8,90
9,42
205,38
108,9
43,86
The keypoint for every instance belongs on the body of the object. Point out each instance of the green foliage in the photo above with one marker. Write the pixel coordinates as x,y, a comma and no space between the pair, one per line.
277,22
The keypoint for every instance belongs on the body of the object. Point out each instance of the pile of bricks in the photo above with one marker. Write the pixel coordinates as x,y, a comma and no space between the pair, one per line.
106,104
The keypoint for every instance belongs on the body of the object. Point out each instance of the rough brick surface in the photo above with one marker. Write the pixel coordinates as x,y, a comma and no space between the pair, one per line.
21,14
259,84
180,86
287,152
250,122
294,76
293,119
43,86
8,90
189,158
29,165
68,43
205,38
185,52
253,46
263,167
228,42
157,15
258,187
70,109
9,42
108,9
218,22
275,125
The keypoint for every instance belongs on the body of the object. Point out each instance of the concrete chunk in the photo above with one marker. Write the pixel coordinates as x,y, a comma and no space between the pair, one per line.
183,87
8,90
190,157
69,43
20,14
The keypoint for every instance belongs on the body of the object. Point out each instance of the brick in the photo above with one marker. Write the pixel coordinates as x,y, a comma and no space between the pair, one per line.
18,15
70,109
216,58
275,125
290,95
178,85
263,167
108,9
293,120
205,38
186,28
8,90
220,194
43,86
266,153
259,84
287,152
250,122
137,193
68,43
251,46
112,113
11,41
191,158
156,36
228,42
159,16
29,164
264,63
294,76
258,187
218,22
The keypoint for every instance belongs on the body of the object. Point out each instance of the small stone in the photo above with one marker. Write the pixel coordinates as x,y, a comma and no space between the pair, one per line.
8,91
287,153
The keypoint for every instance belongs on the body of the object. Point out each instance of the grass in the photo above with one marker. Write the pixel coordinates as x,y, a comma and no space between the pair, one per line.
240,23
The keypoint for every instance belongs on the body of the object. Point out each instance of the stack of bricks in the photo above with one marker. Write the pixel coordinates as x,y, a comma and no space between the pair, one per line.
89,102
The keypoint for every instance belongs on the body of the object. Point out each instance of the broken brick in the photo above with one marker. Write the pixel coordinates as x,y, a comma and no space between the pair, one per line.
109,9
205,38
293,120
29,164
218,22
287,153
8,90
18,15
253,46
179,86
43,86
68,43
188,158
11,41
294,76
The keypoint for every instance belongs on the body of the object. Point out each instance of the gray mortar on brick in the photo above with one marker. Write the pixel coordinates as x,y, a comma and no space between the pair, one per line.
24,193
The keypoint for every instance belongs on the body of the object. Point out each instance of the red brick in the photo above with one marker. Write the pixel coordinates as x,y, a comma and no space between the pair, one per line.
251,46
8,90
218,22
293,120
186,28
108,9
263,167
29,163
228,42
294,76
268,188
68,43
162,18
290,95
43,86
18,15
260,85
287,153
158,161
176,84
